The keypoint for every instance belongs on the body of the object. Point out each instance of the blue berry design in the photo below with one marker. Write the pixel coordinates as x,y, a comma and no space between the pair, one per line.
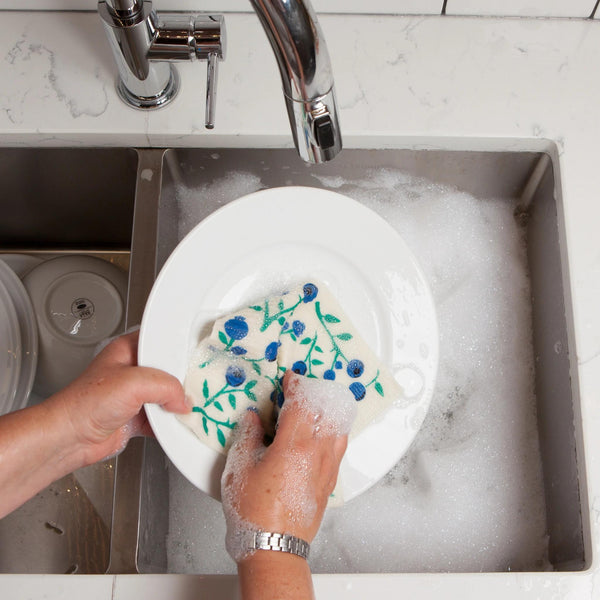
338,364
238,350
299,367
355,368
235,376
310,291
277,397
236,328
298,327
271,351
329,374
358,389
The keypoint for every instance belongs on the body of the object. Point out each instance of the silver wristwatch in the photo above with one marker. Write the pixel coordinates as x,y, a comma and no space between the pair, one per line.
280,542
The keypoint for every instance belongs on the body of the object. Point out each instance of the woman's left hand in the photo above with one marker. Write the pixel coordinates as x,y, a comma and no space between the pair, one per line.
104,406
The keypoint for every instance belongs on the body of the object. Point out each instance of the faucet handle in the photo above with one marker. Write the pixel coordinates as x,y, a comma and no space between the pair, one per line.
190,37
209,44
211,90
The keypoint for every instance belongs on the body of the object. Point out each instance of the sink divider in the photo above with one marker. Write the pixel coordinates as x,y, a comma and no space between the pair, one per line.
142,272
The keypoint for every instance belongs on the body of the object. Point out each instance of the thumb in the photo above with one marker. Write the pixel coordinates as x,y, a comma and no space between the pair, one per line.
159,387
248,435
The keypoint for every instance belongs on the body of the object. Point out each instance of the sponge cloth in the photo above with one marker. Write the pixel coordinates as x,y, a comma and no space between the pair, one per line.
242,362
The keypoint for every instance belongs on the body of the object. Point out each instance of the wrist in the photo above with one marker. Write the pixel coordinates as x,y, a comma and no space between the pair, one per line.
266,575
70,451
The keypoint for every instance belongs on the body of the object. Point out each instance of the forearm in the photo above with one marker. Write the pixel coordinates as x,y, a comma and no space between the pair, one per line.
37,447
268,575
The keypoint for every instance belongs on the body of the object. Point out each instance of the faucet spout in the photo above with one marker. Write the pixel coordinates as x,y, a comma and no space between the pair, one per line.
301,52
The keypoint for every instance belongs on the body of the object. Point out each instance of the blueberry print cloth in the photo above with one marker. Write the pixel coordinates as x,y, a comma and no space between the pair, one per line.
242,362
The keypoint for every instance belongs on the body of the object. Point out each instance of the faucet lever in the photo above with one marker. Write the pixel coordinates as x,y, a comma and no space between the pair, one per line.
211,90
145,43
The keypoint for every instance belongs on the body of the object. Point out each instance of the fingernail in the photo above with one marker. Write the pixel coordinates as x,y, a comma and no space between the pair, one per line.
188,401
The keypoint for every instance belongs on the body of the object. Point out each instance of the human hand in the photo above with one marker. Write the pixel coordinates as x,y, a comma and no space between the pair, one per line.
284,488
103,407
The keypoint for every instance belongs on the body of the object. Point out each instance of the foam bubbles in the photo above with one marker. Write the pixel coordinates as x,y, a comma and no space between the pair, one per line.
468,495
192,207
243,455
330,406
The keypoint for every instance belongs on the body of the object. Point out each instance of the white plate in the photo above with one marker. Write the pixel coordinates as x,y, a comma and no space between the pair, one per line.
10,351
21,264
28,332
78,301
260,245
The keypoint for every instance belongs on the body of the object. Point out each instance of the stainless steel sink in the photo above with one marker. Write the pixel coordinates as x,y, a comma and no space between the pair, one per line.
55,202
136,537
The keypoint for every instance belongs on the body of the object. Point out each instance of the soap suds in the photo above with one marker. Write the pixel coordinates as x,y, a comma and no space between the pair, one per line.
233,481
468,495
331,405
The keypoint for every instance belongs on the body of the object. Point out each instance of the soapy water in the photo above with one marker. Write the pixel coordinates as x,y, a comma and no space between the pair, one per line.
468,494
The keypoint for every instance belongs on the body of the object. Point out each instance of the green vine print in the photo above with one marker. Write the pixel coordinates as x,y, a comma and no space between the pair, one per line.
316,343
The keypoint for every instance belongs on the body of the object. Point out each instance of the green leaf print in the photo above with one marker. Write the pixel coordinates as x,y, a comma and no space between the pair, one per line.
344,337
205,392
232,402
221,437
331,319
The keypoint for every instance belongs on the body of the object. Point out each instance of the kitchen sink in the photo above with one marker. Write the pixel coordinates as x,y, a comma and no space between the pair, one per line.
57,202
149,519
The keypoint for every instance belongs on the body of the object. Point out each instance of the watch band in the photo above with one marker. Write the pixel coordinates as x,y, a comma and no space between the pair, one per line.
280,542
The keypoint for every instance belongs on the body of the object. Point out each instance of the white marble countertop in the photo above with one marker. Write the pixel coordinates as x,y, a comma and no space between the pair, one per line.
405,82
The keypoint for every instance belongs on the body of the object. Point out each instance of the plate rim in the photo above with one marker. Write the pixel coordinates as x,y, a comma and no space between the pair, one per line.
14,331
156,413
28,329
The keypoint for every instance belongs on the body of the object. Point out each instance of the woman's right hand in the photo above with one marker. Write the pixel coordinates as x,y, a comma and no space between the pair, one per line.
285,488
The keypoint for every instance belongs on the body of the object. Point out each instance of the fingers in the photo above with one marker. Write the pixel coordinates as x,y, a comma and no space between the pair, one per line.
158,387
314,408
122,350
249,435
145,385
315,422
297,420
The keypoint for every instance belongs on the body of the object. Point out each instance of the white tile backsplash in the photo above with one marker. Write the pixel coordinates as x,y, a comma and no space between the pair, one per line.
521,8
408,7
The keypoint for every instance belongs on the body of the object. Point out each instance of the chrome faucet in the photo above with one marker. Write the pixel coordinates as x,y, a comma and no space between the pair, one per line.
301,52
146,43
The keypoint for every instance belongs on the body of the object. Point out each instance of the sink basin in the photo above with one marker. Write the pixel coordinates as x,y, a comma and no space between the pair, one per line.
56,202
181,529
138,514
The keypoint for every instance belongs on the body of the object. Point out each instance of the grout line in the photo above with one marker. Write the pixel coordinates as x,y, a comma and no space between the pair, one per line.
446,2
595,9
